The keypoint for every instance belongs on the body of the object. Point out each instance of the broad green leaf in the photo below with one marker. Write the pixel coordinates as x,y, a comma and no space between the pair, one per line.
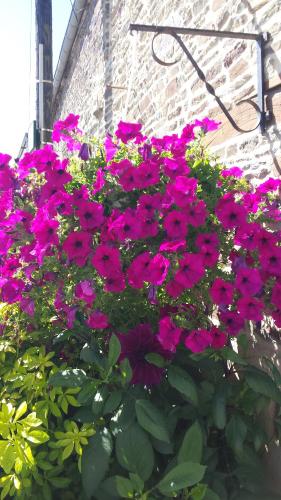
211,495
31,420
219,407
192,445
124,487
236,432
112,402
95,461
114,350
71,377
60,482
20,411
262,383
155,359
182,476
198,492
136,481
182,382
67,451
37,437
87,393
152,420
134,451
7,456
87,354
230,355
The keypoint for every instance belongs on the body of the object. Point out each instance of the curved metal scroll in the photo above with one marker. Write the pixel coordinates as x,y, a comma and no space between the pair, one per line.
202,77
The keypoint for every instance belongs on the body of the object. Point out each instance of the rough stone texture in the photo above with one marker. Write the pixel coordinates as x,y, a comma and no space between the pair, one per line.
111,74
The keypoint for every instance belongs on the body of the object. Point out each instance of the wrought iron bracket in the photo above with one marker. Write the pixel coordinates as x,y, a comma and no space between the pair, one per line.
260,38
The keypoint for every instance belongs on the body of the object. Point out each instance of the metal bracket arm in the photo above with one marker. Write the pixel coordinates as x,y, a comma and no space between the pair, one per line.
259,38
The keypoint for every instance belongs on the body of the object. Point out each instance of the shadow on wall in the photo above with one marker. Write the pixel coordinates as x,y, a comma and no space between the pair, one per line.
107,56
276,134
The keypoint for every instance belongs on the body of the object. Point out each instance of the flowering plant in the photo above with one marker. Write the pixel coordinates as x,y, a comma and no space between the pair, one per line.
140,263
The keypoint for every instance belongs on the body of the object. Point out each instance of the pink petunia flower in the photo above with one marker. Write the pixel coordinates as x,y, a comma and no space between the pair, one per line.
110,148
115,284
90,215
248,281
250,308
270,260
221,292
196,213
99,182
191,270
207,239
107,261
174,289
198,340
234,323
169,335
158,269
98,321
232,172
219,338
175,224
138,270
182,190
77,246
172,246
231,215
84,291
245,235
174,167
129,131
11,290
209,254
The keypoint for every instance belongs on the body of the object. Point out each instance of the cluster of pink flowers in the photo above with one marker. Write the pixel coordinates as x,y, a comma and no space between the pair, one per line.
164,239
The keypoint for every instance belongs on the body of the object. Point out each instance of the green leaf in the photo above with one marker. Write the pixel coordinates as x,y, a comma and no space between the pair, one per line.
87,393
182,476
37,437
68,378
192,446
182,382
198,492
95,461
229,354
67,451
114,351
60,482
137,482
211,495
262,383
88,354
236,432
155,359
7,456
112,402
31,420
20,411
124,487
134,451
152,420
219,407
126,371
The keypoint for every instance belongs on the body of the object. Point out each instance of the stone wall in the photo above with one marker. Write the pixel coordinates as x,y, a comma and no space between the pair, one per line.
109,68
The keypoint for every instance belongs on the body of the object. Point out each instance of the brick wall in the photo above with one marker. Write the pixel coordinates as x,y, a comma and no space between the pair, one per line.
106,60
